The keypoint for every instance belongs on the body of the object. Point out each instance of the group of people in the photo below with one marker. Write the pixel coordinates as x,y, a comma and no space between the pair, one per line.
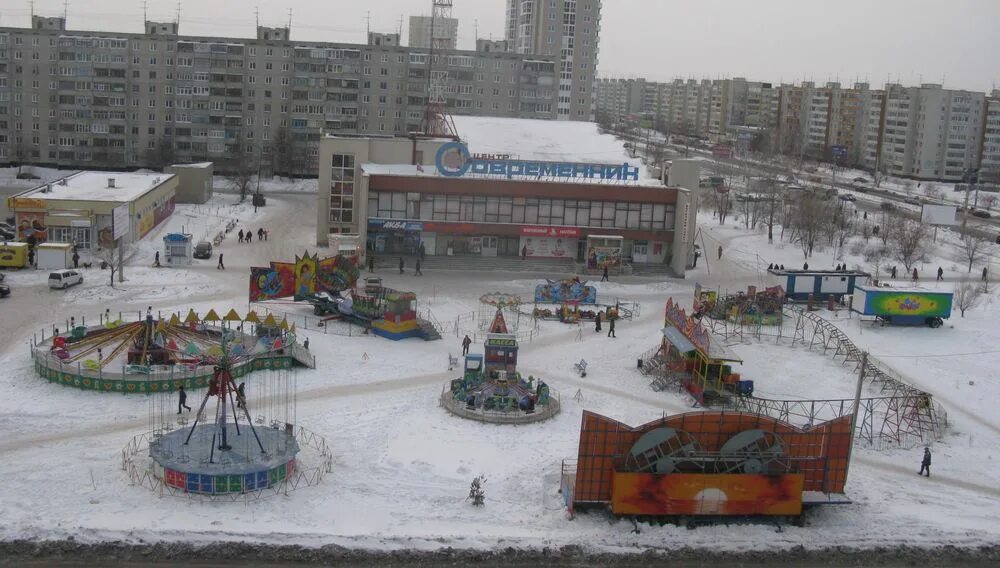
247,236
611,325
775,266
402,266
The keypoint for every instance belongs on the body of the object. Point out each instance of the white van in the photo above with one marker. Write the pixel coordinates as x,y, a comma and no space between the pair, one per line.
65,279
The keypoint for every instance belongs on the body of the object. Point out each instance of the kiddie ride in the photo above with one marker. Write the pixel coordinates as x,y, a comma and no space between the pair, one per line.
572,300
902,306
491,389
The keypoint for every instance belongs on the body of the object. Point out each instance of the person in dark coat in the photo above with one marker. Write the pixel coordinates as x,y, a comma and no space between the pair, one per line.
720,252
220,266
156,259
306,344
604,274
782,267
770,267
240,235
915,278
31,257
805,266
925,464
402,265
524,252
984,274
248,237
597,323
371,263
417,268
76,259
893,272
182,397
260,234
465,345
423,251
611,327
940,273
241,396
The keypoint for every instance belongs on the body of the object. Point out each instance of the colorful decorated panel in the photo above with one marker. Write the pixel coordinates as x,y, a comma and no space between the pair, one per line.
568,290
221,484
706,494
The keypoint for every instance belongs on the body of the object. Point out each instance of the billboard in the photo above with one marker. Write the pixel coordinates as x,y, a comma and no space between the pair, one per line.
120,221
939,215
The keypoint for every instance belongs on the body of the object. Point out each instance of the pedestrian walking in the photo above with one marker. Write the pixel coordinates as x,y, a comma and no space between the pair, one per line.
597,323
249,237
984,274
266,232
805,266
182,397
156,259
76,259
402,265
241,396
417,271
240,235
465,345
893,272
31,257
940,273
524,252
306,344
220,266
720,252
260,234
925,464
915,274
423,251
604,274
611,328
371,263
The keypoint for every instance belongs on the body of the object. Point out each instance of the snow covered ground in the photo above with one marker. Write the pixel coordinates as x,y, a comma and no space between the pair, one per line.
403,465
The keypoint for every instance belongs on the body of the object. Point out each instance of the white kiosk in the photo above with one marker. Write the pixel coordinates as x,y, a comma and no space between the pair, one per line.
177,250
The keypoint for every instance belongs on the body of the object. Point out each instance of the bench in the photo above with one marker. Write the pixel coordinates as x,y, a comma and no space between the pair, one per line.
581,367
452,362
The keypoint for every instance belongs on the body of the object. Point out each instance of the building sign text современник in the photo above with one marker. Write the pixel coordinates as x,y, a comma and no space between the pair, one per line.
454,160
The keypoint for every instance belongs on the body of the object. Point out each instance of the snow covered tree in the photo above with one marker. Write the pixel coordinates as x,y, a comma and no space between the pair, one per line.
476,492
967,296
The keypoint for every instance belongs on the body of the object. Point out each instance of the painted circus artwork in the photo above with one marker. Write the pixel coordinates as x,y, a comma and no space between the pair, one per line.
306,276
568,290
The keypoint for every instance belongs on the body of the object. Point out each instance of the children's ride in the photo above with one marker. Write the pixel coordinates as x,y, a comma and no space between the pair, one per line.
492,390
902,306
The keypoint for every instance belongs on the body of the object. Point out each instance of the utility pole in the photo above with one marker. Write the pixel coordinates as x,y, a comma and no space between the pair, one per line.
857,406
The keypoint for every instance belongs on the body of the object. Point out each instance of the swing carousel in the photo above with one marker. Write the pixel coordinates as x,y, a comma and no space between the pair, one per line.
162,353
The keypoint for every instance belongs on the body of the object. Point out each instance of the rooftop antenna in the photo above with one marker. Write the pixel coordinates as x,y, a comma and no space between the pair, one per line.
288,32
144,17
177,15
399,29
65,9
256,15
475,27
437,121
31,6
368,23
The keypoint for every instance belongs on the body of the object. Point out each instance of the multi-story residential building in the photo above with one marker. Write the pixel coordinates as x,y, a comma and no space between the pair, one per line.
423,28
989,166
568,30
117,100
618,98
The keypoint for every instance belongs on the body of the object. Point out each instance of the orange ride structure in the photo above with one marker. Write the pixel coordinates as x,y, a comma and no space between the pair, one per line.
711,463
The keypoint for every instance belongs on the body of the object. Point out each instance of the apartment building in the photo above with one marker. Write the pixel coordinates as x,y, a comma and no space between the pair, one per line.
989,167
423,28
116,100
567,30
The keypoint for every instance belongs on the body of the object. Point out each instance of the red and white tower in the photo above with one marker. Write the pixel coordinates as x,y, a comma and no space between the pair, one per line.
437,120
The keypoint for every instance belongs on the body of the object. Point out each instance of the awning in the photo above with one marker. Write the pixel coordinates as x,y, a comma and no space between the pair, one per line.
717,351
677,339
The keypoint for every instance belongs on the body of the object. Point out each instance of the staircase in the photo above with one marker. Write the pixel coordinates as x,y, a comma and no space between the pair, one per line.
428,331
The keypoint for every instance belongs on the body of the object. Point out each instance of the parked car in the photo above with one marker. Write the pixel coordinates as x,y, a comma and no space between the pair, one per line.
848,197
63,279
912,201
887,206
203,250
860,180
982,214
4,290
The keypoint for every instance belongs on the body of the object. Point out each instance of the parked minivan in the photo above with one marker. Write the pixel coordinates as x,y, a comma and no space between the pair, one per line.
65,278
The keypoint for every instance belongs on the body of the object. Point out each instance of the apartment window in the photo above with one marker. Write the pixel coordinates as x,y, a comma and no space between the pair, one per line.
342,189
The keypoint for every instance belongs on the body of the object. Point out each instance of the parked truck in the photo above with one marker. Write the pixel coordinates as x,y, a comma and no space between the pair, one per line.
902,306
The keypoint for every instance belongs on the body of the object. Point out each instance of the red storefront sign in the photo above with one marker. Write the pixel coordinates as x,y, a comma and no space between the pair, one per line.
531,231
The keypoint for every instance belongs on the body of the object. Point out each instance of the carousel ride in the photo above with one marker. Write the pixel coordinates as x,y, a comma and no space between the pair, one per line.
492,390
163,353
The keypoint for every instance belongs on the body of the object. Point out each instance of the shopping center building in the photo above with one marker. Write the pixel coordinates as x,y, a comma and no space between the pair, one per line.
78,208
398,194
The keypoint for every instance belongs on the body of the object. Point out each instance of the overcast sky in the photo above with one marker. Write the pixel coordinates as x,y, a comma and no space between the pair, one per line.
951,41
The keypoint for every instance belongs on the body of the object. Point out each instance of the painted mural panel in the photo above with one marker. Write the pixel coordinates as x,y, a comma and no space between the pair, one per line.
706,494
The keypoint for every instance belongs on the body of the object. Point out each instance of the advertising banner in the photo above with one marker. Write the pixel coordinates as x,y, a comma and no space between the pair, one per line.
32,225
533,231
548,247
601,257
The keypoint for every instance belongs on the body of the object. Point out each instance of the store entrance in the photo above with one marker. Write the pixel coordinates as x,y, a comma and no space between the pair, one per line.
508,246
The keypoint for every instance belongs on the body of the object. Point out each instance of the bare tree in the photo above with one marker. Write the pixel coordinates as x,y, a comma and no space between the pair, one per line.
973,249
843,229
810,221
242,168
934,191
772,206
909,242
720,201
967,296
878,255
114,259
879,173
885,228
989,201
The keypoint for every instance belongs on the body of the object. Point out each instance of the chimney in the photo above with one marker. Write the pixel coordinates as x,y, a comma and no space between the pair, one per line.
111,182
